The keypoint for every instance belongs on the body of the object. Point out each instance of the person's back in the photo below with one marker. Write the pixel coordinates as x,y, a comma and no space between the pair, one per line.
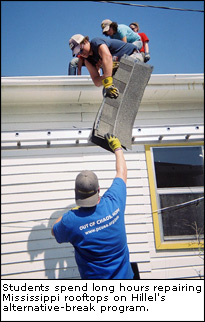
99,238
96,228
121,32
125,31
116,47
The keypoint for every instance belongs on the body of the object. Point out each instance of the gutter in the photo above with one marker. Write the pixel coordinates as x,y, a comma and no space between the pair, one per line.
80,89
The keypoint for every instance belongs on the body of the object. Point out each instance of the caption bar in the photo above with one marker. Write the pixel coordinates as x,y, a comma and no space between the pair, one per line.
92,299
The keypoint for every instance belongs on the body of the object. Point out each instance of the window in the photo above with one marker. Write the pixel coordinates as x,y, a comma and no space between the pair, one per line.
176,176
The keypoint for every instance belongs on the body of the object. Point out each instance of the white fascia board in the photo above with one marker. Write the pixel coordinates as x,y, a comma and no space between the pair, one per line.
176,79
46,80
86,80
80,89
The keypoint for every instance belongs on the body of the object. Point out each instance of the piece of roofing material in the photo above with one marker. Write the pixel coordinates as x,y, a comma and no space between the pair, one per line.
117,116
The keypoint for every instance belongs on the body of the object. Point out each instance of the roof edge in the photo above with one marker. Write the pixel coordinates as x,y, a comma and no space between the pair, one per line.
86,80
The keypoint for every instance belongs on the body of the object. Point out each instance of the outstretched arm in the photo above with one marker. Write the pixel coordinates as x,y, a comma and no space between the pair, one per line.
121,167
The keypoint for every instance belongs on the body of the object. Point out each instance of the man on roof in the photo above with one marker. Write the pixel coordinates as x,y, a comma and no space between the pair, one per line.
100,52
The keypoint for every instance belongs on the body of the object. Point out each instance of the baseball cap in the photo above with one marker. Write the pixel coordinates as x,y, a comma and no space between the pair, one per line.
105,24
86,189
74,43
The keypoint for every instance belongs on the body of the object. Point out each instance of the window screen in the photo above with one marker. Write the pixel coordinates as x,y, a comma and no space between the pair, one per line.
185,217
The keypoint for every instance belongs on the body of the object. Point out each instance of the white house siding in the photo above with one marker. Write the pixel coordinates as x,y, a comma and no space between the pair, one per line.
37,184
19,117
37,187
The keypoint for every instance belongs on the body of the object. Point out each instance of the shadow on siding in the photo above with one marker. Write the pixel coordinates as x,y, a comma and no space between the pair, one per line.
59,259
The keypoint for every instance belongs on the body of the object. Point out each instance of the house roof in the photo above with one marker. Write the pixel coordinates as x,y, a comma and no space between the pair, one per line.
80,89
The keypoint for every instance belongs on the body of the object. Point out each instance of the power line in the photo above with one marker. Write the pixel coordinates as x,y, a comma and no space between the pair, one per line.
148,6
181,204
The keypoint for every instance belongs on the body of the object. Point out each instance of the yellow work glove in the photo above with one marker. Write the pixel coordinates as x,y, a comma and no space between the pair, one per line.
114,143
110,90
115,66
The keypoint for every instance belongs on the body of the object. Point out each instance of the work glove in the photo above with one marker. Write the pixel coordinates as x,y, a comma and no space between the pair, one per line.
115,66
146,57
110,90
113,142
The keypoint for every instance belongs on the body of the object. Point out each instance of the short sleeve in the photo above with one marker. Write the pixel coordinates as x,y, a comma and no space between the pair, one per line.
61,232
117,191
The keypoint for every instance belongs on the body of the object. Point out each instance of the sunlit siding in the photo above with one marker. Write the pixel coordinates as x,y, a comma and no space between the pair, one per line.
17,117
37,189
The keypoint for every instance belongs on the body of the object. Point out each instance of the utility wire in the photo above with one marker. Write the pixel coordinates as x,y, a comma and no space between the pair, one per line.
181,204
148,6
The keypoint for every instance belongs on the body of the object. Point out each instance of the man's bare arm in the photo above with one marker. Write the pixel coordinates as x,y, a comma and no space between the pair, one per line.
121,167
107,65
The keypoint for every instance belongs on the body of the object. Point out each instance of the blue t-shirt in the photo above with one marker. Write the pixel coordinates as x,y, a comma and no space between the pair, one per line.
98,236
125,31
117,48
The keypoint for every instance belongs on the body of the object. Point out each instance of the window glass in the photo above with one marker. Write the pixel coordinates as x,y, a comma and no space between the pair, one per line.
182,220
178,166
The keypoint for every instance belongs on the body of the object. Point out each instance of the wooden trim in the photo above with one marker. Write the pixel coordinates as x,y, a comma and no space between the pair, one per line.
161,245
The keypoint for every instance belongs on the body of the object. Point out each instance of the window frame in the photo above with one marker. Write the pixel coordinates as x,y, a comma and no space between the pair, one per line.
160,243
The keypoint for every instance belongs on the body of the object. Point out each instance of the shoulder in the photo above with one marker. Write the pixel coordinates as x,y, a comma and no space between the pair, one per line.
143,36
116,193
97,41
118,187
72,212
119,182
69,218
69,214
122,26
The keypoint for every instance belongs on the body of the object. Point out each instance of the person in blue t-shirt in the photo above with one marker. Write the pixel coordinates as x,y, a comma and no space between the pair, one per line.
96,228
121,32
99,53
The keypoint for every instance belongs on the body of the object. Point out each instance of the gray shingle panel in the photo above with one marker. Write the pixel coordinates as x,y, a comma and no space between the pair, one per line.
117,116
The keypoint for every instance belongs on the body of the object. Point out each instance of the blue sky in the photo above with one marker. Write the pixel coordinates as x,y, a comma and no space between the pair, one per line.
35,34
